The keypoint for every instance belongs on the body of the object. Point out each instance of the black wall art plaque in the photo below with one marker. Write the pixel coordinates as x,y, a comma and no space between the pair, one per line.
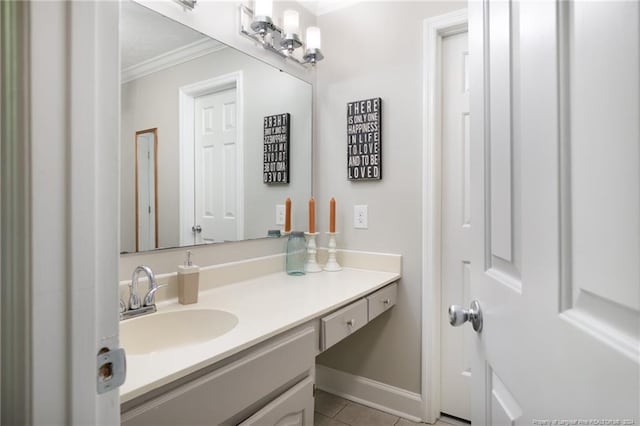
364,144
276,148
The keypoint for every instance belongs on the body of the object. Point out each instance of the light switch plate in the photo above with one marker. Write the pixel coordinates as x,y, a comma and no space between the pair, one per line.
360,217
279,214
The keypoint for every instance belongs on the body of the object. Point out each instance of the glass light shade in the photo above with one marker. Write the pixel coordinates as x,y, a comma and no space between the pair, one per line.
264,8
291,22
313,38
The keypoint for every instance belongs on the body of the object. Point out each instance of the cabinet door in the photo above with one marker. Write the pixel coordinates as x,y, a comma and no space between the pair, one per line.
292,408
224,393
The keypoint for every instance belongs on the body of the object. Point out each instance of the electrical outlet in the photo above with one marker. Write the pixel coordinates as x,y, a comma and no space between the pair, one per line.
360,217
279,214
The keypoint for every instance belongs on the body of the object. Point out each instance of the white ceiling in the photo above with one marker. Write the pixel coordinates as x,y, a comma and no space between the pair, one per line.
320,7
145,34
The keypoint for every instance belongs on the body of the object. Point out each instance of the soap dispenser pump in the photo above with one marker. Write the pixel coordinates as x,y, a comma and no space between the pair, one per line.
188,281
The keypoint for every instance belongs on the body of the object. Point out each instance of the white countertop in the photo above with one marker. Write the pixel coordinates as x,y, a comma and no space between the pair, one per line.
265,307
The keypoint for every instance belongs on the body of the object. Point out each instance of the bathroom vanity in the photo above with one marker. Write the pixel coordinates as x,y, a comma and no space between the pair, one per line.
245,353
259,366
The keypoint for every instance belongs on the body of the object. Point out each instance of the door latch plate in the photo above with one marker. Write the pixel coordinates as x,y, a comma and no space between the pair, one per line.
112,369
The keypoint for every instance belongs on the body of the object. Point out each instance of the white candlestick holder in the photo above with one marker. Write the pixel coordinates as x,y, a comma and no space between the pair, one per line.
311,264
332,264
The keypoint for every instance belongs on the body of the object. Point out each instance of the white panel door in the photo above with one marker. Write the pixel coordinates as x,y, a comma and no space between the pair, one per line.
455,386
556,201
215,167
145,185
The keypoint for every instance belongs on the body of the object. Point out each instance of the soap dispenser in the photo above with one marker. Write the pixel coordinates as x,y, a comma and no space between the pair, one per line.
188,281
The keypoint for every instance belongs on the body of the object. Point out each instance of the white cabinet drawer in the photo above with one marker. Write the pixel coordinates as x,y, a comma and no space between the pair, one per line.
382,300
342,323
215,397
292,408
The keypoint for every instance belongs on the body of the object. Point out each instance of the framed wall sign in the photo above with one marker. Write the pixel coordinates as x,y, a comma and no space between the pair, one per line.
364,143
276,149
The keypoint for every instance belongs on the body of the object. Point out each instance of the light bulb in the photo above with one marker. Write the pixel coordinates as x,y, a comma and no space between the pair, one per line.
291,22
313,38
264,8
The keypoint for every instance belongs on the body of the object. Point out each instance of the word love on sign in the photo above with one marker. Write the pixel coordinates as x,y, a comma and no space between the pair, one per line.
364,144
276,149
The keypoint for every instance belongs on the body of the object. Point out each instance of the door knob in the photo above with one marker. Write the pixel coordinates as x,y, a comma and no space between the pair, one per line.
458,315
196,228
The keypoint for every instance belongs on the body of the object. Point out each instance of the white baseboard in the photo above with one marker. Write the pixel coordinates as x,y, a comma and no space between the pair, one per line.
383,397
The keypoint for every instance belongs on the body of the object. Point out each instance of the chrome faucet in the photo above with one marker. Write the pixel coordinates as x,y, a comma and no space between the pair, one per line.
149,299
134,301
148,306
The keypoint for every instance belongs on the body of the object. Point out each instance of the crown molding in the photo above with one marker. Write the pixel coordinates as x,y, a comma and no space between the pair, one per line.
173,57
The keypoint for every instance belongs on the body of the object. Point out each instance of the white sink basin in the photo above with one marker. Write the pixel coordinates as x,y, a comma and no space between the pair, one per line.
169,330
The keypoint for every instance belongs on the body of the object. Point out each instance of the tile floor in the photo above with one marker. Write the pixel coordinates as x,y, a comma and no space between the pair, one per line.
332,410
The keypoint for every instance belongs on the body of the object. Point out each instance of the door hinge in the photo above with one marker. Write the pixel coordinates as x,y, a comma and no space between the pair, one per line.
112,369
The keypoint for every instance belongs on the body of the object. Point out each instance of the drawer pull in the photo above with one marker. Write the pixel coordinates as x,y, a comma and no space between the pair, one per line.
351,322
386,301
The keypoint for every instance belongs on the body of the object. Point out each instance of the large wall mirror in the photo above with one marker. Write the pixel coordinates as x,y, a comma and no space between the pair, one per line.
197,177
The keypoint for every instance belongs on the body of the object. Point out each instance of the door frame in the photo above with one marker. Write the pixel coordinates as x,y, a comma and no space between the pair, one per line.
155,183
434,30
187,95
60,221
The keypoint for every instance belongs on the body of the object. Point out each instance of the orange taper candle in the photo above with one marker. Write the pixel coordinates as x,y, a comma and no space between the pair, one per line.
287,215
312,215
332,215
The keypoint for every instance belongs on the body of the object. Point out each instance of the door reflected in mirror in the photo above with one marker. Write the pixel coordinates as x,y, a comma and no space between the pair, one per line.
146,145
212,195
208,101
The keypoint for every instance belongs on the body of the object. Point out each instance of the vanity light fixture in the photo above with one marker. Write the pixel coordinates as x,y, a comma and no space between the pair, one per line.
258,25
291,40
188,4
313,53
262,23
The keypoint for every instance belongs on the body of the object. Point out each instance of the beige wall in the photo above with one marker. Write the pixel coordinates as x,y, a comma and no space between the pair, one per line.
373,49
152,102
